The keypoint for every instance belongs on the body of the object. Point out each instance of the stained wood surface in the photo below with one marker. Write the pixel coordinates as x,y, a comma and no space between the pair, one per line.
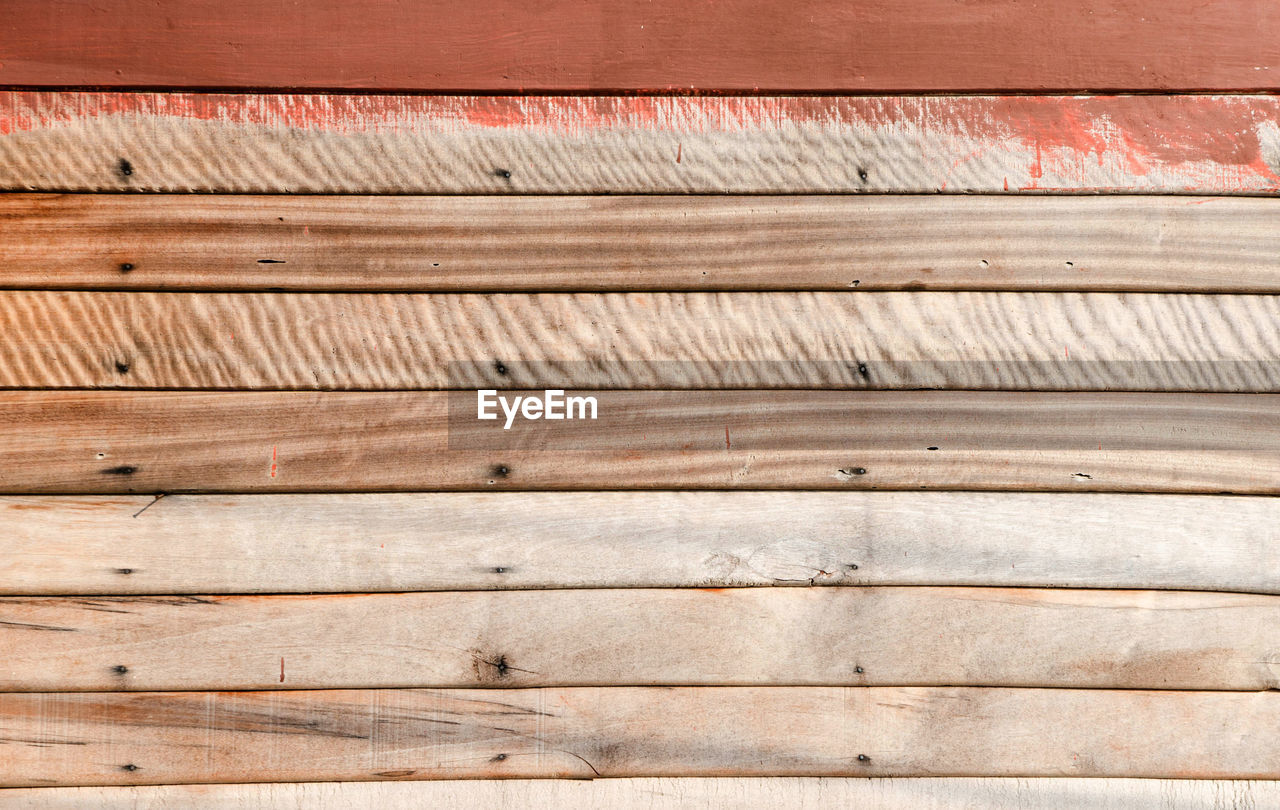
485,144
513,243
815,45
888,340
656,793
645,637
159,738
117,442
478,541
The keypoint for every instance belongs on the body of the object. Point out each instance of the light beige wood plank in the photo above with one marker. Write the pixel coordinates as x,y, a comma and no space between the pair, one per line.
120,738
666,793
890,340
116,442
600,637
491,243
196,544
433,144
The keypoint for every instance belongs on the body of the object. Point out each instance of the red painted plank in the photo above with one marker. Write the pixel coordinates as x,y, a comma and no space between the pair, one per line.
88,141
579,45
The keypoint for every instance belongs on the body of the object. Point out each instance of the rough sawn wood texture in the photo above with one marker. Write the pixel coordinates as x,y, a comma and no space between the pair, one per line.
366,144
887,340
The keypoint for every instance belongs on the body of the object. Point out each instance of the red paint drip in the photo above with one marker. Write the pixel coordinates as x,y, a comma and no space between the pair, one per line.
679,151
273,470
727,445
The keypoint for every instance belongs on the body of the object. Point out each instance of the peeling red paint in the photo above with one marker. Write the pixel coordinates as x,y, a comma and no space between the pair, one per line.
1056,136
833,46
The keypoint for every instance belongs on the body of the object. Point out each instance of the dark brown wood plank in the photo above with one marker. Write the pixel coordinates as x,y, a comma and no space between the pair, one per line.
512,243
117,442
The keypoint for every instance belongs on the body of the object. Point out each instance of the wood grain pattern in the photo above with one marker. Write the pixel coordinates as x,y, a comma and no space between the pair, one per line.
173,737
513,243
478,541
645,637
656,793
889,340
116,442
498,145
559,45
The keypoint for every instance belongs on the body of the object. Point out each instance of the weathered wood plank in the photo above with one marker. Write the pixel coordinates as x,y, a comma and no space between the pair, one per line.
170,737
890,340
196,544
115,442
561,45
513,243
489,144
645,637
658,793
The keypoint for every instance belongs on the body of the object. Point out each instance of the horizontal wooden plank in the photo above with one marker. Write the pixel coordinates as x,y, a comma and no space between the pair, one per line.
170,737
659,793
194,544
646,637
515,243
497,145
738,45
889,340
115,442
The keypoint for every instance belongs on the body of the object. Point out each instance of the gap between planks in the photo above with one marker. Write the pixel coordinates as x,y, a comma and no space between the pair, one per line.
377,144
794,340
151,442
507,244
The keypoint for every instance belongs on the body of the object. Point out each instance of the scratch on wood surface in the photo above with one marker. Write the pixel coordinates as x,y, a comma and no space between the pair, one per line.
154,501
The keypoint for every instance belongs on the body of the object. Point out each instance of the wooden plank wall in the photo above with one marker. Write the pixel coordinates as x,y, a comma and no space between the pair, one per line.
938,404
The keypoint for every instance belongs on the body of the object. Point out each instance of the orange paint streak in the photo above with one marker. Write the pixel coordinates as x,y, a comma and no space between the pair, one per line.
1165,126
